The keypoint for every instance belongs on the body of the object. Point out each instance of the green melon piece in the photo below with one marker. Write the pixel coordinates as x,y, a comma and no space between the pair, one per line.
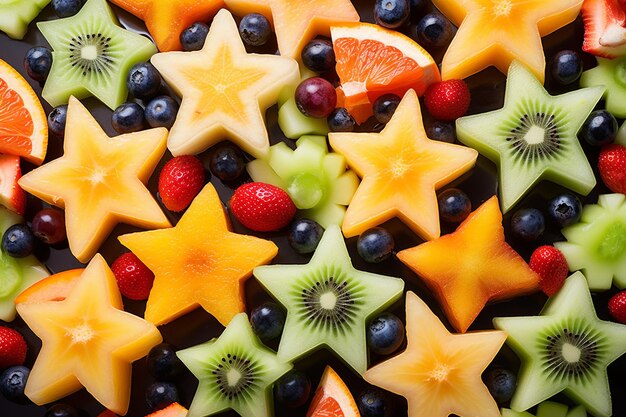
597,244
551,409
295,124
620,139
507,412
610,73
16,15
578,411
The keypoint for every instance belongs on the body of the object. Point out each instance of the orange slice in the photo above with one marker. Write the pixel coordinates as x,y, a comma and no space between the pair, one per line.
23,125
53,288
372,61
332,398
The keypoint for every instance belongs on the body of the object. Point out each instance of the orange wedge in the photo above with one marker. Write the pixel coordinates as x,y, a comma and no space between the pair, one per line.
372,61
53,288
332,398
23,125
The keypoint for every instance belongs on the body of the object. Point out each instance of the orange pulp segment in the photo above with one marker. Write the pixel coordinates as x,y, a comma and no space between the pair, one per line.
332,398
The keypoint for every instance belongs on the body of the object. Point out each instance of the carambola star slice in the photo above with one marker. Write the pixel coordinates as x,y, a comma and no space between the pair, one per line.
611,74
16,15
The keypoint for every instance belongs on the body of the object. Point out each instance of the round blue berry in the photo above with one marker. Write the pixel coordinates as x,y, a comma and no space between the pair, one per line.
56,120
501,384
161,112
434,30
194,36
66,8
18,241
62,410
527,224
128,118
385,334
255,29
163,364
375,245
318,55
293,389
566,67
454,205
305,235
373,402
565,209
267,321
12,383
161,394
442,132
340,120
143,81
37,62
227,162
392,13
385,106
600,128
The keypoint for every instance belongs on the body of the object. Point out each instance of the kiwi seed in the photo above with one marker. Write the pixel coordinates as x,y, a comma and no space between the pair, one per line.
571,354
234,375
90,53
328,303
535,136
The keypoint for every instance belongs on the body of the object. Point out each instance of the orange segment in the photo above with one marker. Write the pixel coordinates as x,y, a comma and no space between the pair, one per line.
332,398
23,125
53,288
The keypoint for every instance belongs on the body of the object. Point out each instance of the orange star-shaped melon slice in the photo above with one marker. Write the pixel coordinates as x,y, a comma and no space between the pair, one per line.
297,22
198,262
471,266
100,181
166,19
497,32
401,169
88,340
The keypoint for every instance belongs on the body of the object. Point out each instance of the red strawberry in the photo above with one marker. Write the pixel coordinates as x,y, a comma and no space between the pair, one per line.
550,264
605,34
11,195
12,348
181,179
617,307
447,100
262,207
133,277
612,167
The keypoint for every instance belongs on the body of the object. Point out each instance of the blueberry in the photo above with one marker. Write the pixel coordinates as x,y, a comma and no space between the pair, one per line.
161,394
18,241
340,120
194,36
66,8
305,235
56,120
268,321
255,29
37,62
318,55
293,389
600,128
566,67
143,81
385,106
161,112
373,402
375,245
392,13
434,30
12,383
442,131
527,224
163,364
565,209
454,205
227,162
128,118
62,410
385,334
501,384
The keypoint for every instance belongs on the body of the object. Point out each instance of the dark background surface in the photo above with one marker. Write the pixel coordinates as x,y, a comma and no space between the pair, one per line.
480,183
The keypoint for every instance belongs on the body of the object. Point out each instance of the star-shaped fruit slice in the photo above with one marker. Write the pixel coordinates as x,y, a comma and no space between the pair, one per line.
328,301
401,169
496,32
533,137
225,91
465,268
88,340
439,373
611,74
198,262
92,55
297,22
15,16
166,20
567,348
236,371
100,181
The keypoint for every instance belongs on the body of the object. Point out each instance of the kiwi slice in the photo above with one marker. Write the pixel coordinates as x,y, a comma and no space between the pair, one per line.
565,349
597,243
235,372
533,137
328,301
92,56
610,73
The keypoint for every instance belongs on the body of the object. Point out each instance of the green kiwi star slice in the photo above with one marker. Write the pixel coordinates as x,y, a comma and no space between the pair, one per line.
234,372
610,73
15,15
567,348
92,56
328,301
533,137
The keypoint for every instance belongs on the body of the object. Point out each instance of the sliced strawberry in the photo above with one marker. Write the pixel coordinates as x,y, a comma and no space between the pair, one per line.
605,32
11,195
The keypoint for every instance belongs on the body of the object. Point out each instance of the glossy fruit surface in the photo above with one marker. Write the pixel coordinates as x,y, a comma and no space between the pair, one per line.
161,112
447,100
180,181
528,224
617,307
62,410
332,398
12,347
600,128
441,131
66,8
161,394
293,389
566,67
434,30
57,119
163,364
15,17
133,277
374,402
13,383
38,61
340,120
501,384
18,241
255,29
612,167
144,81
454,205
128,118
316,97
391,14
268,321
604,27
11,194
385,334
305,235
318,55
550,264
385,106
565,209
193,37
262,207
375,245
53,288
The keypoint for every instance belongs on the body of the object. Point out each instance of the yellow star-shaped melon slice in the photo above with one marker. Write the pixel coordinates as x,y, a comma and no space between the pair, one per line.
297,22
401,169
198,262
225,91
471,266
100,181
497,32
439,373
88,340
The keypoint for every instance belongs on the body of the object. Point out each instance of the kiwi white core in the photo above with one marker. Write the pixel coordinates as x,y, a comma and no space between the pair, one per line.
328,301
89,52
570,353
233,376
535,135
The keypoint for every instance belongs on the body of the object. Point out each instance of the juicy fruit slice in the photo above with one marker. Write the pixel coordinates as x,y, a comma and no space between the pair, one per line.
401,169
610,73
464,268
332,398
317,181
11,194
597,244
439,373
533,137
87,341
328,301
100,181
172,410
373,61
231,100
208,267
567,348
92,56
15,15
579,411
497,32
53,288
551,409
236,371
294,124
605,31
23,125
166,20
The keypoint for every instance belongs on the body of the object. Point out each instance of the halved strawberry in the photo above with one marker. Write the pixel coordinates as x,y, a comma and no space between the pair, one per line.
11,195
605,31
